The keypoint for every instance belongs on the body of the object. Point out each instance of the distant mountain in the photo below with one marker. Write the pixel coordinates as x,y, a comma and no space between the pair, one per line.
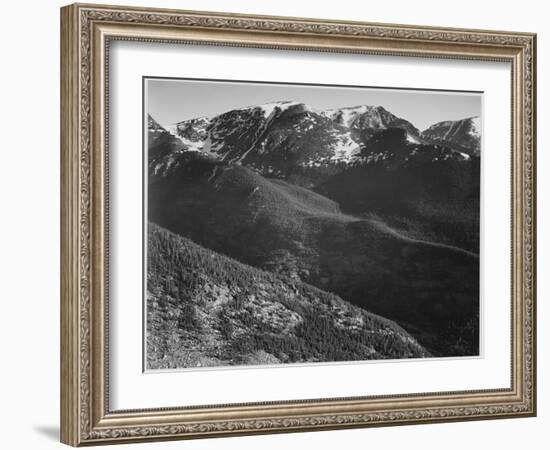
396,146
465,133
430,288
369,119
205,309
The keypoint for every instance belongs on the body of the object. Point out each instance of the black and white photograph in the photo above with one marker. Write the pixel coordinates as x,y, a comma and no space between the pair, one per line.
294,223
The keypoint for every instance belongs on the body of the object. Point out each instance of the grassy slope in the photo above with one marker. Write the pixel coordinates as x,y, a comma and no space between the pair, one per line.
206,309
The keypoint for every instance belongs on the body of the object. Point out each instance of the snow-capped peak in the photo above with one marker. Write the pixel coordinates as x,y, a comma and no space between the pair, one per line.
268,108
192,133
364,116
346,116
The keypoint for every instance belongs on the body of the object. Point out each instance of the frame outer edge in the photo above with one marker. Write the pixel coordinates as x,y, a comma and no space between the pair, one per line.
79,424
69,183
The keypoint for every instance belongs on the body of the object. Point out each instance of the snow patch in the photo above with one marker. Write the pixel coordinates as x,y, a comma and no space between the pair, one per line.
173,129
413,140
375,115
192,146
345,149
268,108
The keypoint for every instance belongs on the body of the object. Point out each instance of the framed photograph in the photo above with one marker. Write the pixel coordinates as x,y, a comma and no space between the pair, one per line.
275,224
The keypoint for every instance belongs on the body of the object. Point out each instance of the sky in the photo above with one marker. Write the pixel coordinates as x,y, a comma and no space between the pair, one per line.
173,100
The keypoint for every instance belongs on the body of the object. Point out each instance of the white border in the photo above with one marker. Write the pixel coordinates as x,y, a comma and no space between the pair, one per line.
130,388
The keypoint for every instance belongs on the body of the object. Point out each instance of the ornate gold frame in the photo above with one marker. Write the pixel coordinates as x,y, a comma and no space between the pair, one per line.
85,34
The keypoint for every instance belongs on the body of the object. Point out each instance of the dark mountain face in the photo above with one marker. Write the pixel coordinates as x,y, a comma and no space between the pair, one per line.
205,309
397,147
427,191
296,233
462,134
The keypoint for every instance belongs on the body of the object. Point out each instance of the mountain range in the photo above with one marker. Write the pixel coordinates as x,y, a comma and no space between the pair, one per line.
282,138
353,203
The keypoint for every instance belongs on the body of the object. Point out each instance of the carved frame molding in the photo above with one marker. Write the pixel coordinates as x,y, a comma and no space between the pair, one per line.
86,31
